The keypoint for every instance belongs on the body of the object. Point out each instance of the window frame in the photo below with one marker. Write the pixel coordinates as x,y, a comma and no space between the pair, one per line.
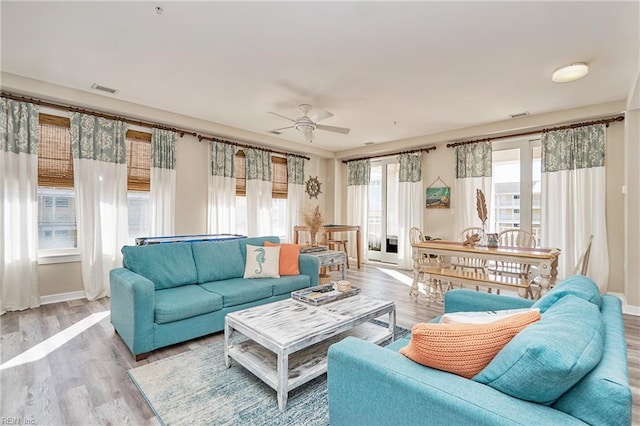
52,117
526,146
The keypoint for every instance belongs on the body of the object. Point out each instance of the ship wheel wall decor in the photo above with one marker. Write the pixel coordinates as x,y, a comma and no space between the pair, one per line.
313,187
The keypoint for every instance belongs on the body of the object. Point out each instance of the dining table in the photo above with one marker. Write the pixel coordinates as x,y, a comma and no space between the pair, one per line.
546,259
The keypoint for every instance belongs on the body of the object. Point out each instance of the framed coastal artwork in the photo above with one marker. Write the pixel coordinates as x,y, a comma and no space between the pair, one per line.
438,197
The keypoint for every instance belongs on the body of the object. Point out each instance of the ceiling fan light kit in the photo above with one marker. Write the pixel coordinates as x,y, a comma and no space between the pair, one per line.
306,125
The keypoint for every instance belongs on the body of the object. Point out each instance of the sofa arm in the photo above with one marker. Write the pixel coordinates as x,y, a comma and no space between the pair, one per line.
461,300
310,266
369,384
132,309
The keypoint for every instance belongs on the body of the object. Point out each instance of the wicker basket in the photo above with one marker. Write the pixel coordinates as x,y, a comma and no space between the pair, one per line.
324,279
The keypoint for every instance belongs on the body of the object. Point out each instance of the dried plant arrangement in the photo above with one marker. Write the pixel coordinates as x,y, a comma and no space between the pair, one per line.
481,206
314,221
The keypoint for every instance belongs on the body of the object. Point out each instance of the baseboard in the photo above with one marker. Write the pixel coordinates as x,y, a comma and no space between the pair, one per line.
626,309
62,297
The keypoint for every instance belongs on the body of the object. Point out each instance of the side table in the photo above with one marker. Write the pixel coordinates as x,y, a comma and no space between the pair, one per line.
332,258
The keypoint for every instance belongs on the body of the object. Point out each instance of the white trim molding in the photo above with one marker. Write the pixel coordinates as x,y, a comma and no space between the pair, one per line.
61,297
626,309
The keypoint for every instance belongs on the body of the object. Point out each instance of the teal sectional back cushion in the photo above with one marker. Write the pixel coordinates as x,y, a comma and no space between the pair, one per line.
166,265
603,395
577,285
547,358
217,261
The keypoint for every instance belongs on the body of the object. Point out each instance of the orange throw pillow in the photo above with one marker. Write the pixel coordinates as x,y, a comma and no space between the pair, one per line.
463,349
289,257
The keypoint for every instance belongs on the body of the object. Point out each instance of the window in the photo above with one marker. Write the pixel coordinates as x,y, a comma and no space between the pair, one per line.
57,229
279,194
516,186
138,184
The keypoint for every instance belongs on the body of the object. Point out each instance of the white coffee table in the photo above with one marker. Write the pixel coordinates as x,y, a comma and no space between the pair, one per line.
285,343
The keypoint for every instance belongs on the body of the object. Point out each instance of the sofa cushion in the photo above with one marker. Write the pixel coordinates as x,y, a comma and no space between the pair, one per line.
289,258
217,261
577,285
291,283
463,349
166,265
254,241
262,262
547,358
238,291
603,395
177,303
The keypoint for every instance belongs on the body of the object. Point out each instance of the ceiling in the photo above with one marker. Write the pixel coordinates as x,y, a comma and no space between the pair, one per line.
386,70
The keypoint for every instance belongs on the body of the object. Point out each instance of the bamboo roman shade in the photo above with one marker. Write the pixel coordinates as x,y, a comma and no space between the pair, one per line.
138,161
278,176
55,163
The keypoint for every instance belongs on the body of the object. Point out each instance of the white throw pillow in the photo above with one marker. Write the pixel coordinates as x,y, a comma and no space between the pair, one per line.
483,317
262,262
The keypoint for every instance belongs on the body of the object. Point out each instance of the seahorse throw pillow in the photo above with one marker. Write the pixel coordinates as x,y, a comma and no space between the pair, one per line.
262,262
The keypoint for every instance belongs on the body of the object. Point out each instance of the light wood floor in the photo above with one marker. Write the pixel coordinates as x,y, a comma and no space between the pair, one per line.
85,380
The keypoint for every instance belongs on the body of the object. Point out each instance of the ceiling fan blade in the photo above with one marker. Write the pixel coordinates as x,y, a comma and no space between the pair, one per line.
281,128
342,130
281,116
322,115
309,136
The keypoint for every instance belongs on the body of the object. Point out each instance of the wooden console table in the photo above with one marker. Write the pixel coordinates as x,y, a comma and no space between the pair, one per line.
328,230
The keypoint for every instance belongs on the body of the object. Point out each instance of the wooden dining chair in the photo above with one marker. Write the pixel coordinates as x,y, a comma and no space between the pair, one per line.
514,238
582,268
469,263
433,288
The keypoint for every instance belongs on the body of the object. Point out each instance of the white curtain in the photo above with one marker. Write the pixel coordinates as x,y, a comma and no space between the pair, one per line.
163,182
221,200
99,152
410,207
473,172
19,138
259,188
295,193
358,177
573,204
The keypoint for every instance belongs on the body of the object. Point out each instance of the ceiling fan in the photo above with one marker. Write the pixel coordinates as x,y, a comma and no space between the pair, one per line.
307,125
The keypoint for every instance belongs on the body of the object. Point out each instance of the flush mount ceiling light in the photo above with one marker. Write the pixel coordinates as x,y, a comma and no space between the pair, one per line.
569,73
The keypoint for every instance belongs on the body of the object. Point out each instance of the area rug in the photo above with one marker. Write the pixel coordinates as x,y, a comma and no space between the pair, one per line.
195,388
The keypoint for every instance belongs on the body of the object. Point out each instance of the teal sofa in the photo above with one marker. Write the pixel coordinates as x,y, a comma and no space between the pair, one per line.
369,384
169,293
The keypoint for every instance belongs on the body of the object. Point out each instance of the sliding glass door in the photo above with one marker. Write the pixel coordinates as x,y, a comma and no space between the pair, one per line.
382,240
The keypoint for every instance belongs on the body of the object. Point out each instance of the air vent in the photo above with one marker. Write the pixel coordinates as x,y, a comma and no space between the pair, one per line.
520,114
95,86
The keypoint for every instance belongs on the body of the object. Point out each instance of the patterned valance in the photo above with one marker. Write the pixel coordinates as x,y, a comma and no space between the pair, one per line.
578,148
410,167
19,127
358,172
473,160
222,159
163,149
97,138
295,170
258,164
